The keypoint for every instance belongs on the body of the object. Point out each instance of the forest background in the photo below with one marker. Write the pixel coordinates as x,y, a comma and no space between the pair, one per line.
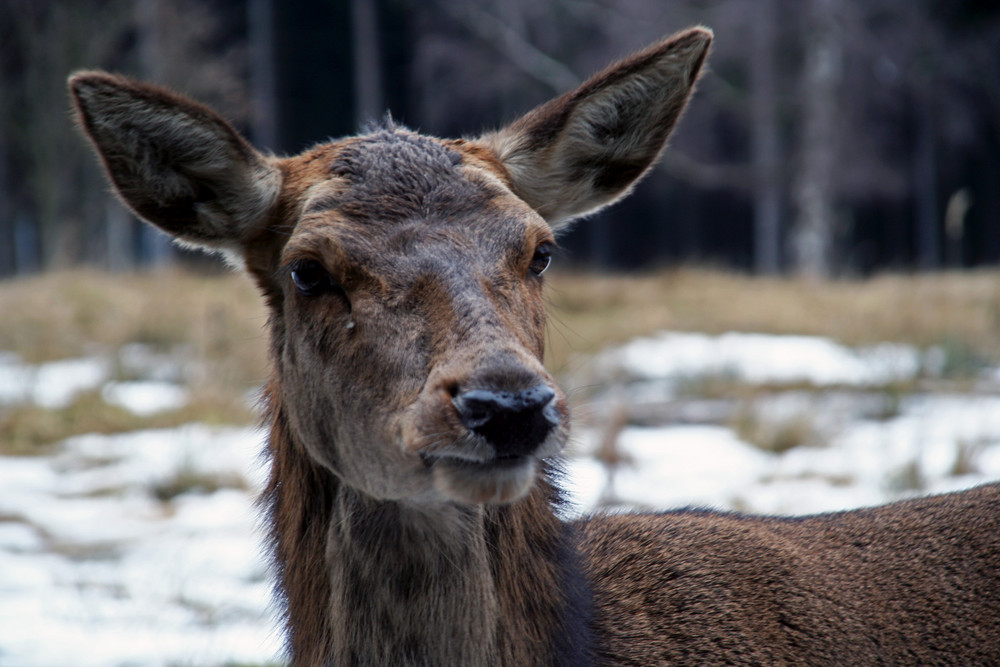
829,138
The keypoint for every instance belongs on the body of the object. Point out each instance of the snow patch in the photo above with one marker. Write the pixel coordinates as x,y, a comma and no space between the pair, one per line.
94,571
145,398
50,385
761,358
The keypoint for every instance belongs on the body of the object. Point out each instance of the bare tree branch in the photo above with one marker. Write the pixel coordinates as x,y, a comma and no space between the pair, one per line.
700,174
513,45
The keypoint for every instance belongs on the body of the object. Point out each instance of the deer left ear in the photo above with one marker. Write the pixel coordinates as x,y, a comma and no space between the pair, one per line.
588,147
174,162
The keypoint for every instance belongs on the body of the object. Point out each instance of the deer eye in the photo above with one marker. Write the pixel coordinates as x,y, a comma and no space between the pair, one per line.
311,279
542,259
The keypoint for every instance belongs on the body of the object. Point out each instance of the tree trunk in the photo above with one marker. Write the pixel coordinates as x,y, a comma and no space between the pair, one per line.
263,77
156,248
119,231
8,264
925,190
764,137
954,226
812,239
368,103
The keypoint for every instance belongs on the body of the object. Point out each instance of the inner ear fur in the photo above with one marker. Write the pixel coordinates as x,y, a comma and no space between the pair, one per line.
587,148
174,162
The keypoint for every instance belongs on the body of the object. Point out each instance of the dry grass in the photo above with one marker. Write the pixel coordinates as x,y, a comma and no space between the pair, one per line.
27,430
959,311
219,322
214,324
67,314
220,319
777,436
189,480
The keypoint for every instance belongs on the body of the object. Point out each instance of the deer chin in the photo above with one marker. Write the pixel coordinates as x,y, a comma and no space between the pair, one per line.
468,470
495,481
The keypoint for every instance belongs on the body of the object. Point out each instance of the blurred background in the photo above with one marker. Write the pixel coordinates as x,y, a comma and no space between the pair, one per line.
830,137
797,311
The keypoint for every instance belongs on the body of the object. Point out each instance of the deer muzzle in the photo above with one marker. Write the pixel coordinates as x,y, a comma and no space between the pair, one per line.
514,423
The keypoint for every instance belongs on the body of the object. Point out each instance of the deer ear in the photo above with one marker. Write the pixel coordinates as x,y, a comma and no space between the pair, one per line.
588,147
174,162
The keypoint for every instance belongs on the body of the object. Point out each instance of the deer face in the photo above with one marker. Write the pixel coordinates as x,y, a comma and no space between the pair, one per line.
403,272
413,323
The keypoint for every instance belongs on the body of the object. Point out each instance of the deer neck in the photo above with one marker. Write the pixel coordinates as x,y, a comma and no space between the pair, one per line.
376,582
409,585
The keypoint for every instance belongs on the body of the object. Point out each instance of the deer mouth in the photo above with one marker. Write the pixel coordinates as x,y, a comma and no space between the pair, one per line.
483,443
472,471
500,479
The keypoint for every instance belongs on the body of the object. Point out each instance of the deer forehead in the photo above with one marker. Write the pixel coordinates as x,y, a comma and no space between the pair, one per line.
397,194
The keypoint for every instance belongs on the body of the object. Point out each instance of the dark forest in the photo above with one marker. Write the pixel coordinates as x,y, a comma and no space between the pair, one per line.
829,138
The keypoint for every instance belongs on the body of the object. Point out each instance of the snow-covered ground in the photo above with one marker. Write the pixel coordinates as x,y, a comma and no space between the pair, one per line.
96,570
867,463
865,451
55,384
100,565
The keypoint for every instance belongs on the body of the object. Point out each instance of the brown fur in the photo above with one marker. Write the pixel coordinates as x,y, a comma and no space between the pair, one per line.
913,583
412,501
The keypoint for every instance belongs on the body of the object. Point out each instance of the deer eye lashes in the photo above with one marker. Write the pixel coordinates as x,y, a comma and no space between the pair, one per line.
541,259
311,279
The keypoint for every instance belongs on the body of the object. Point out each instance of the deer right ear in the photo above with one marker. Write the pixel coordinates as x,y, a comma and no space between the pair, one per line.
175,162
588,147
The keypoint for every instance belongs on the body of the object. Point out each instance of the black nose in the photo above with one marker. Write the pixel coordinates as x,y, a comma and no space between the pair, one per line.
514,422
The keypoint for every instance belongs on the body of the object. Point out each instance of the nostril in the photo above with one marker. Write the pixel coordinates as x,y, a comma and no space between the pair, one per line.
476,407
537,397
513,422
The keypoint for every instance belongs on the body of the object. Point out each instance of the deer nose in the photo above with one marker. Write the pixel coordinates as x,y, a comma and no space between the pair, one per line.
515,423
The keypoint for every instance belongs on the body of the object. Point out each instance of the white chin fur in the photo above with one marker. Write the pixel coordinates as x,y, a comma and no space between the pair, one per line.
481,483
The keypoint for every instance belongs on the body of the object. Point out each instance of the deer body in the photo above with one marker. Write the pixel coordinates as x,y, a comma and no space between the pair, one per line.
412,503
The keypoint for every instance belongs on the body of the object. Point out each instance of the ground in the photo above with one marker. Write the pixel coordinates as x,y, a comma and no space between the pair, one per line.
129,462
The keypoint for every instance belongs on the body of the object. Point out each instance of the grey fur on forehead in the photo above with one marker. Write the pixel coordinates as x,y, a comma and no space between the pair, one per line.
397,148
395,173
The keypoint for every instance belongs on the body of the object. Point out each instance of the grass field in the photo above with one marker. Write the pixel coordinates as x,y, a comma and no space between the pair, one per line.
960,311
214,327
72,313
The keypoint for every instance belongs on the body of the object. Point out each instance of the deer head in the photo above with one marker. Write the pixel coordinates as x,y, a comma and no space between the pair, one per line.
403,272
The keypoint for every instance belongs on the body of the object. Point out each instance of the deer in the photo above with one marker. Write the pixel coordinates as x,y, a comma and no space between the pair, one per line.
414,435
